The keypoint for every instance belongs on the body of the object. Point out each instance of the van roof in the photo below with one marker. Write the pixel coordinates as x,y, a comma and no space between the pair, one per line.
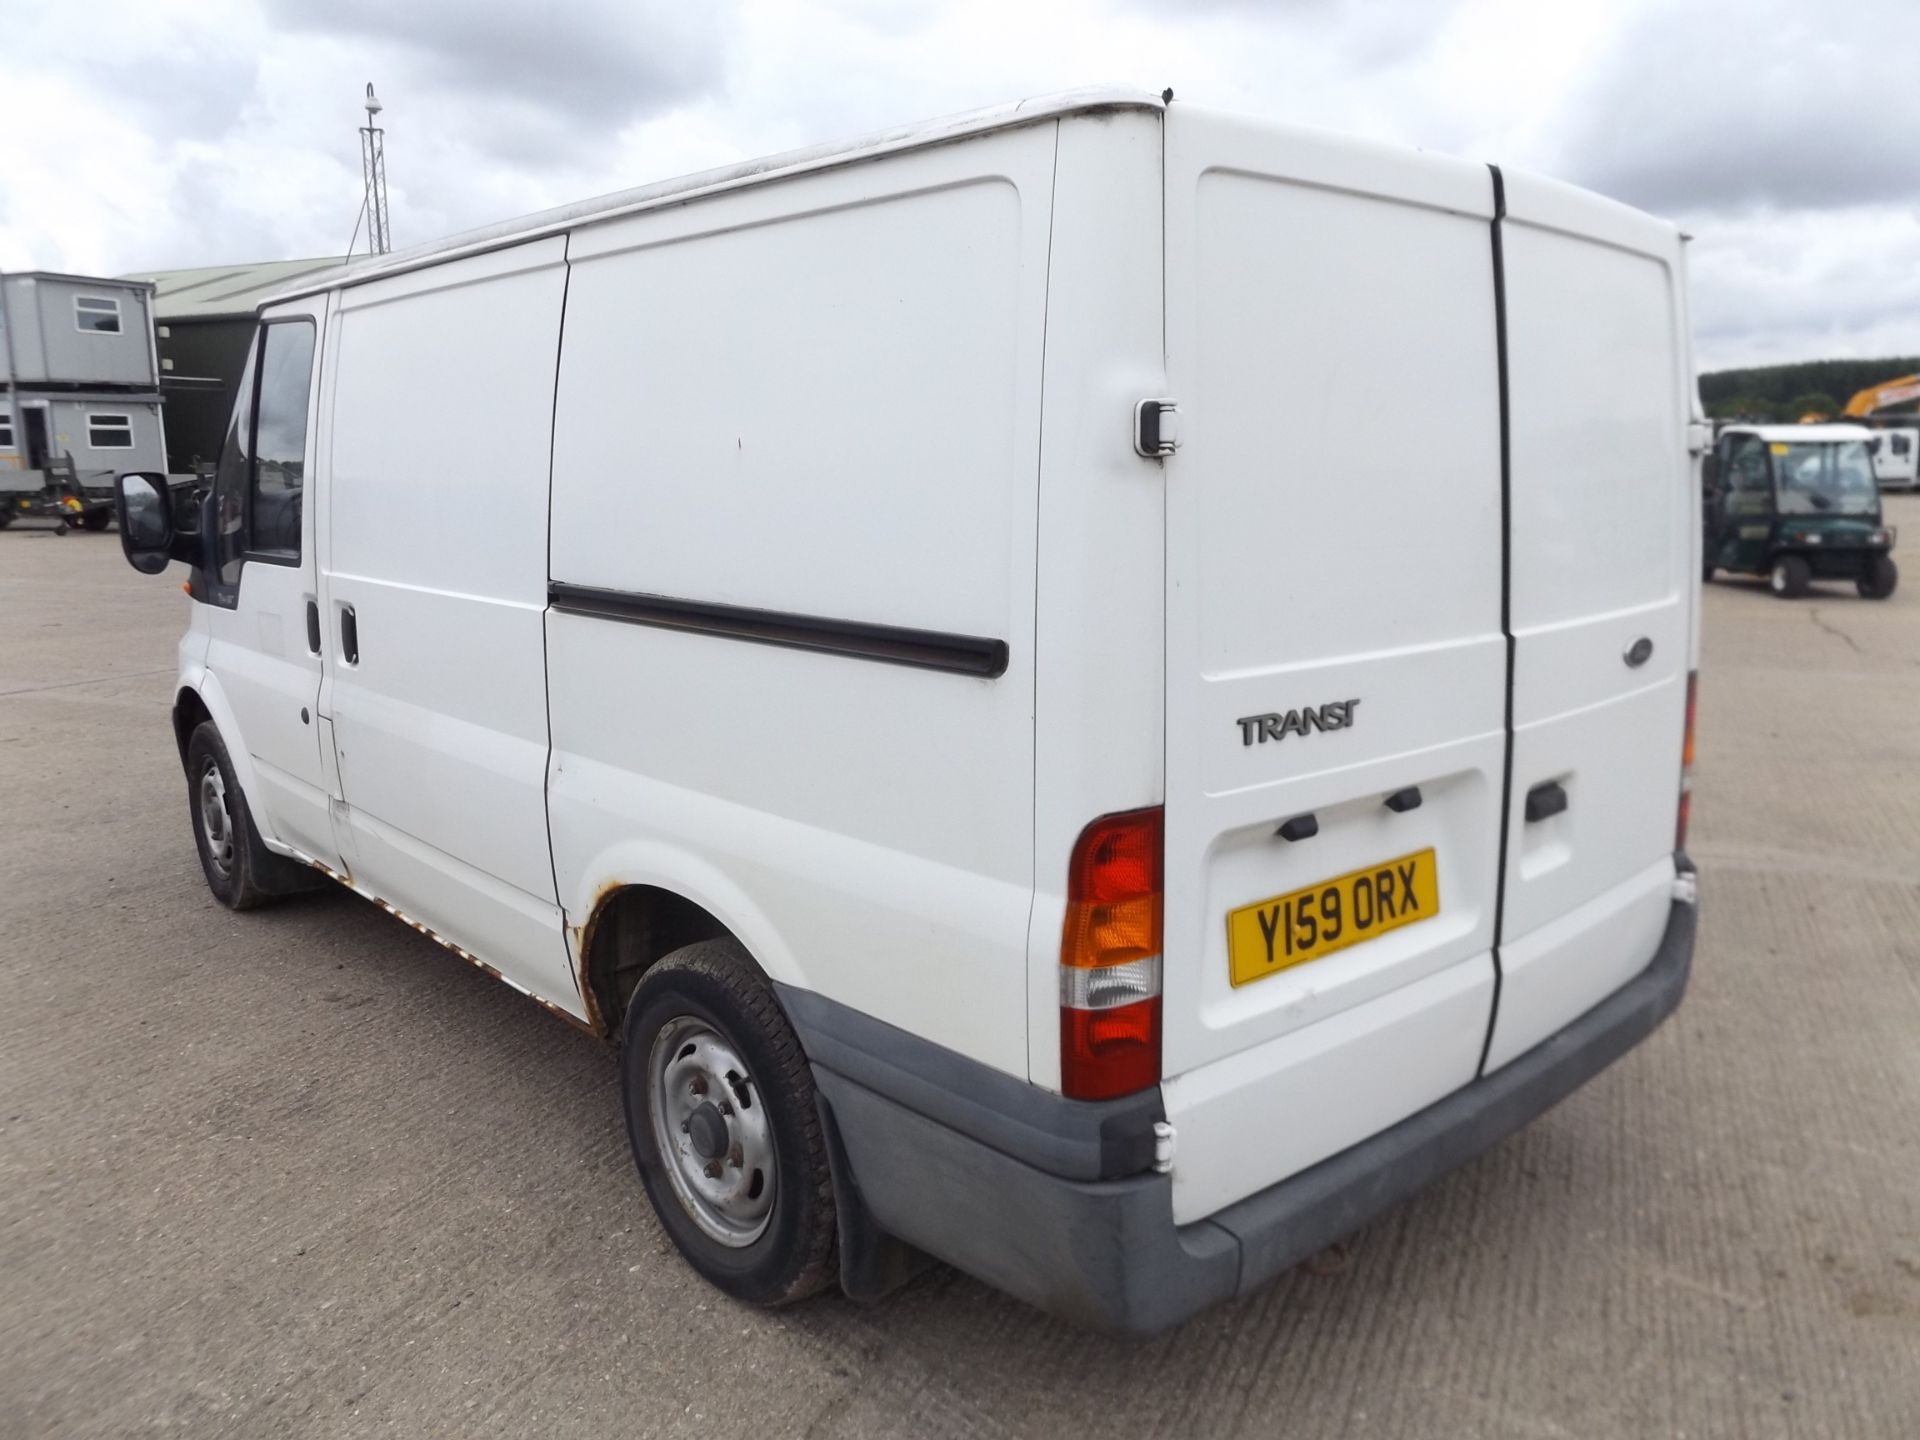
1804,434
915,136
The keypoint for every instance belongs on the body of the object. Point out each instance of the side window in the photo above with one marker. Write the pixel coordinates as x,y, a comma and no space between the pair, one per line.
280,440
6,429
230,479
1747,465
96,314
261,480
1902,444
109,431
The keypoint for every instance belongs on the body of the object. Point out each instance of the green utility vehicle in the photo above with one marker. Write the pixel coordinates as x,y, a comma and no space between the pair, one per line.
1797,503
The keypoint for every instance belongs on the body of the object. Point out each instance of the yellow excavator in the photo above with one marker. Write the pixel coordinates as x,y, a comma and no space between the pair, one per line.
1883,396
1872,400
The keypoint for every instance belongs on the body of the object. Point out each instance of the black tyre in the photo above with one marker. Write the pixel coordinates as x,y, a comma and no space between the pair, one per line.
1790,577
222,827
720,1110
1879,579
6,517
1706,572
96,519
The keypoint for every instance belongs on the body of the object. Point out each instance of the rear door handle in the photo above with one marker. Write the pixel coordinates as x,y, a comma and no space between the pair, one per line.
1545,800
313,626
350,639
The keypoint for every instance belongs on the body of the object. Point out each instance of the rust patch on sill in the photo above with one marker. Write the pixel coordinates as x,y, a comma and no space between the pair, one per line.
328,871
582,934
465,954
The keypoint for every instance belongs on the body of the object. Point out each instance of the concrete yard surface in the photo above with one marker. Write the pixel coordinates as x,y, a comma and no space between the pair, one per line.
301,1172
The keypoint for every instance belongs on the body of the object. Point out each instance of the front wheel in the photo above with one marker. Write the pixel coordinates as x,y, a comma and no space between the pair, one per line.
721,1113
96,519
1879,579
1790,577
222,826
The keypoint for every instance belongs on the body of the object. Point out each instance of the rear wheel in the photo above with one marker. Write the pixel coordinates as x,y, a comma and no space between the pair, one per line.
1790,577
721,1113
96,519
1878,580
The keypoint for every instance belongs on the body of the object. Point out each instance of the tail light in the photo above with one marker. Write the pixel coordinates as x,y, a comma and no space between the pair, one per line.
1110,959
1686,766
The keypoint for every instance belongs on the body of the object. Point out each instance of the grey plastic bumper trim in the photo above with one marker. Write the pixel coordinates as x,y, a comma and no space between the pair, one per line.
1106,1252
1072,1139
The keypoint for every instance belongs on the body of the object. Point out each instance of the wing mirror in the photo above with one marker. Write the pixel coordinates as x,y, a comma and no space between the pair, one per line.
146,520
158,522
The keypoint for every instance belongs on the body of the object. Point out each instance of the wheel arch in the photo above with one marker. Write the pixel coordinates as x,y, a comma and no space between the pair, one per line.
200,699
189,712
643,907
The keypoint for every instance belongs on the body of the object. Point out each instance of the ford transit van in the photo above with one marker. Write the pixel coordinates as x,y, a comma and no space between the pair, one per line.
931,646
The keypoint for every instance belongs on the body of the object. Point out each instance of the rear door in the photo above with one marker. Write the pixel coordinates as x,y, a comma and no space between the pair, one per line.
1333,640
1604,576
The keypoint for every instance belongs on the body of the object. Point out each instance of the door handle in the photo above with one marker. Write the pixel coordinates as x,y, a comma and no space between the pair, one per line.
1545,801
350,636
313,626
1300,827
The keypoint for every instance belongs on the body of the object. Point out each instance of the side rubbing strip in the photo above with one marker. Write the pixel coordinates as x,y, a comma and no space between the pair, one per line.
890,644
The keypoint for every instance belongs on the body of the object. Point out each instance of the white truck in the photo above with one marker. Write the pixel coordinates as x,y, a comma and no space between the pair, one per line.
931,645
1896,458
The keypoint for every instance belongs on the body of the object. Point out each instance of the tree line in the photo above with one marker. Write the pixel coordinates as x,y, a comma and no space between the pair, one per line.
1783,393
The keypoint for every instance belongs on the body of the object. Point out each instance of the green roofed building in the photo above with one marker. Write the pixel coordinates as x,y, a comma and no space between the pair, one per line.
203,322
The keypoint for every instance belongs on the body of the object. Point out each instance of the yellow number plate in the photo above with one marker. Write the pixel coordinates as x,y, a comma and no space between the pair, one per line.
1292,929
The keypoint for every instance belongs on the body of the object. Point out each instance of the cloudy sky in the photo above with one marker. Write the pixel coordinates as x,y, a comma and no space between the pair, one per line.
156,133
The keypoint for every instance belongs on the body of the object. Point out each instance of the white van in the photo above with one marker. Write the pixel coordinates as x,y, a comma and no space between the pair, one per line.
932,646
1896,459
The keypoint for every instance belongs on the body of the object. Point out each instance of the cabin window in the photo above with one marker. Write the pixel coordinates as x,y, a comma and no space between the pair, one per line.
280,440
230,481
260,485
1901,444
110,432
1747,465
6,429
96,314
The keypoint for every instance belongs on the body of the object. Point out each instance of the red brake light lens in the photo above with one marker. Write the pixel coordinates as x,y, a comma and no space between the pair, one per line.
1686,766
1110,958
1108,1053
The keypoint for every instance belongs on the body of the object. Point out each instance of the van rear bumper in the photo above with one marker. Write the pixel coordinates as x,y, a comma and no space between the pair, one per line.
1046,1198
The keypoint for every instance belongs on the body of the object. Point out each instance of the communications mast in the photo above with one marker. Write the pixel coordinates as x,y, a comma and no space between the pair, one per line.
373,165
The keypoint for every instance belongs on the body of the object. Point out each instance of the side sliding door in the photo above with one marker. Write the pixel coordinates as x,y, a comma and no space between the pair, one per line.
434,580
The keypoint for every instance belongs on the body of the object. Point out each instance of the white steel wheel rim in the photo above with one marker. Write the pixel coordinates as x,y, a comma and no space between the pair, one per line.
1779,577
216,821
712,1131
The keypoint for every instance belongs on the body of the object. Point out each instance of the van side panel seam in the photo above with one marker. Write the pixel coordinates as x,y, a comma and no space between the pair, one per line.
546,643
1506,587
